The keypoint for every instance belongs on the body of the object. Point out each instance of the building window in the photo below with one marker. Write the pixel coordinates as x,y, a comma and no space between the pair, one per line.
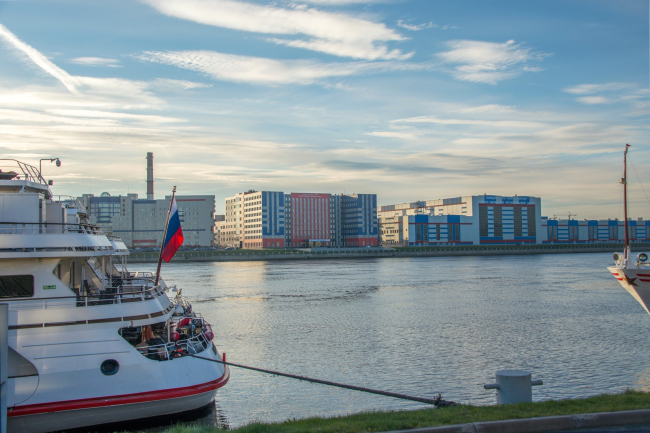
613,232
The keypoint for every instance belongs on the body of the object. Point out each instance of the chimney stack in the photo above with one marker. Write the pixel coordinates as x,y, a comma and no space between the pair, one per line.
150,176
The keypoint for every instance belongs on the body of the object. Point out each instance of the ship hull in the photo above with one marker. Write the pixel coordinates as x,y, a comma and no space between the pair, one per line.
636,282
63,415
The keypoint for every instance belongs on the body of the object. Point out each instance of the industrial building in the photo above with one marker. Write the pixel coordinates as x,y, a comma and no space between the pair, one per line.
273,219
593,231
141,222
469,220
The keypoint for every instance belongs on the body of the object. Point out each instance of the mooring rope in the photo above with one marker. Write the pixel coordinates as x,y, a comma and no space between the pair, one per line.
438,401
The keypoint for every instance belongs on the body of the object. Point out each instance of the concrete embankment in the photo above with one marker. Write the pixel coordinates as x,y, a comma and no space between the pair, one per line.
252,255
638,420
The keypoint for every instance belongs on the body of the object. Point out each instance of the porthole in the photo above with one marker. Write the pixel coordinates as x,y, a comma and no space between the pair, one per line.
109,367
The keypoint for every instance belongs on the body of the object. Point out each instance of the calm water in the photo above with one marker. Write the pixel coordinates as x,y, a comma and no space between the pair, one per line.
418,326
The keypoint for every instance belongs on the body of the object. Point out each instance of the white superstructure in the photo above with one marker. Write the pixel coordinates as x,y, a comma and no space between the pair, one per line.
89,342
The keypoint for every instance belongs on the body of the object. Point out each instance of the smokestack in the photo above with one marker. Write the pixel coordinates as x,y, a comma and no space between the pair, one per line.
149,175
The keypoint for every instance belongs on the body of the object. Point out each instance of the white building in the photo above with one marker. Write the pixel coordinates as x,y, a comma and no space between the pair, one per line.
593,231
141,222
469,220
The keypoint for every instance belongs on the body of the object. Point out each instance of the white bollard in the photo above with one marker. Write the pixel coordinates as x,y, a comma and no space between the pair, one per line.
513,386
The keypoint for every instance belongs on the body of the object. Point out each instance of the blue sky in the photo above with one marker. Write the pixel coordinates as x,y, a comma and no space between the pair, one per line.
408,99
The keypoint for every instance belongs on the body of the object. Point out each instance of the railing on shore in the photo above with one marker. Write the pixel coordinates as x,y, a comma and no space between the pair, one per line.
236,255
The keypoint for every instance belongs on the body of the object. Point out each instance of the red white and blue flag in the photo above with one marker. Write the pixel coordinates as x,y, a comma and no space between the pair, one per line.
174,237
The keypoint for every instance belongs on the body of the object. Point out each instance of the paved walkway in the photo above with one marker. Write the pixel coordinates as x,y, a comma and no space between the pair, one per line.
624,421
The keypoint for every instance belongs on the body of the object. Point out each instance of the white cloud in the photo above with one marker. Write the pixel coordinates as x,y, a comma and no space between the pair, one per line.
489,62
418,27
490,109
506,124
40,60
415,27
143,118
393,134
332,33
166,84
257,70
590,89
117,92
341,2
592,100
97,61
611,93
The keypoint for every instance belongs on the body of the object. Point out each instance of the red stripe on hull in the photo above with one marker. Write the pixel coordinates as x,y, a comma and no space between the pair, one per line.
114,400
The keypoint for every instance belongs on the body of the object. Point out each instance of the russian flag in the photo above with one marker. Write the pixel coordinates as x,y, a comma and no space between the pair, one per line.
174,238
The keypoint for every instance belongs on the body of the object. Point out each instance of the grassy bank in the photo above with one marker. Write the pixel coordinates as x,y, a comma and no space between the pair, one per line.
385,421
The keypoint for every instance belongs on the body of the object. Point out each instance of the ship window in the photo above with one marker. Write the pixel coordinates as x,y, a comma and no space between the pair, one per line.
16,286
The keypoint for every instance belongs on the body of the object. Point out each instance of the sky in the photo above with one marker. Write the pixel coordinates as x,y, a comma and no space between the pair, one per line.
408,99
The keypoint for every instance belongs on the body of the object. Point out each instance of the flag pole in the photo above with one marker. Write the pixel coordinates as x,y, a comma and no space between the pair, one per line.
162,244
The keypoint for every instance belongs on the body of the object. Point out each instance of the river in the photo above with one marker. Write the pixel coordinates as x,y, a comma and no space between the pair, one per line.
417,326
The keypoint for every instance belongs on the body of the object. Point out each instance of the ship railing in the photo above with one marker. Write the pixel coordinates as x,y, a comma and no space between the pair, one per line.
23,228
120,294
159,352
68,201
29,172
193,316
95,297
194,345
163,352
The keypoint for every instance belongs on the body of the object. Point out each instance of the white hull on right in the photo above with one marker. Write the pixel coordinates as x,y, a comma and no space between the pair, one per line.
636,282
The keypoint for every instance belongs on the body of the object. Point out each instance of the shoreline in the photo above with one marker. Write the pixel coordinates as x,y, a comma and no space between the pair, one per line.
432,251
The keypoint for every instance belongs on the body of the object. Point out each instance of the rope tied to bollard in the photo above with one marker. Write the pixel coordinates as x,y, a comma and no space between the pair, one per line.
438,401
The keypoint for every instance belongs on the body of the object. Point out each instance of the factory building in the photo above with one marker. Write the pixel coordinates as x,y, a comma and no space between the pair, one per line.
593,231
272,219
141,222
470,220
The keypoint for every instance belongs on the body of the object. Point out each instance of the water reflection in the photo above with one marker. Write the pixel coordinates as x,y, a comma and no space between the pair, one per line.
418,326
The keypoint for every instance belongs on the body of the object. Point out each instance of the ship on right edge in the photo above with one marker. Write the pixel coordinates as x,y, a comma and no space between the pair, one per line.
632,273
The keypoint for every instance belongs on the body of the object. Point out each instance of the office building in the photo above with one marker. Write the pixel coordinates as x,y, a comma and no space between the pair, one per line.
469,220
273,219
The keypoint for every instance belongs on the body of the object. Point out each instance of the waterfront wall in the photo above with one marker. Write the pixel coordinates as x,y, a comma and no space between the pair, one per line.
253,255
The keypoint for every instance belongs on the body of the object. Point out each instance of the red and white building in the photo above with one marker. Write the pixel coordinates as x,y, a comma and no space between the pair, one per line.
268,219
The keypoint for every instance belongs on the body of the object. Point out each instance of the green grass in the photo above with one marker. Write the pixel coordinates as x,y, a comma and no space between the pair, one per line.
385,421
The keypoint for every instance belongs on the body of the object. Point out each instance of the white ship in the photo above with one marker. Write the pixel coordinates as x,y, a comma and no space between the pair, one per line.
89,342
632,273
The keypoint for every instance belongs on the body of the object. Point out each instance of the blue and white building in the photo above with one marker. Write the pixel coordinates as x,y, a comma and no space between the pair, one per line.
469,220
565,231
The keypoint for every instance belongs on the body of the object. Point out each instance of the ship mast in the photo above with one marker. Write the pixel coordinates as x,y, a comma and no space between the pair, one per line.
626,253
